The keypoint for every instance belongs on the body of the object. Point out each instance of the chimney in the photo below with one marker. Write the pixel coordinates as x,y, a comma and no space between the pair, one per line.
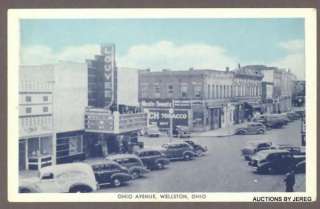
227,69
239,66
191,69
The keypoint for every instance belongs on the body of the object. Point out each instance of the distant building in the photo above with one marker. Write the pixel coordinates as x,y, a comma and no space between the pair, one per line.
277,86
201,99
298,98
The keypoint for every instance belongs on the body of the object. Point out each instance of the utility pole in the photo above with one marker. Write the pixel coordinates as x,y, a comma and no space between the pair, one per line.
171,112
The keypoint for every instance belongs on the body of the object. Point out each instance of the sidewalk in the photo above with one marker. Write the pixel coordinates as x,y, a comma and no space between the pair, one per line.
221,132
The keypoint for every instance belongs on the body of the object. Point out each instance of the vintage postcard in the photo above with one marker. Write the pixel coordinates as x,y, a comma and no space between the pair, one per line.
162,105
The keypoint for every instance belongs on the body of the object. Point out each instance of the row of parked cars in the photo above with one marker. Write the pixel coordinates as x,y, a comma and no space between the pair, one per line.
115,170
269,159
261,123
178,131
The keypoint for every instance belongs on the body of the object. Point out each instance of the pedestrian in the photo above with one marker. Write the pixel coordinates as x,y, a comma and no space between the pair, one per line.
290,180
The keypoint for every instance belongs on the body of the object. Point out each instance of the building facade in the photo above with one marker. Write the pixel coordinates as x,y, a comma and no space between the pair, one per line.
278,87
36,131
200,99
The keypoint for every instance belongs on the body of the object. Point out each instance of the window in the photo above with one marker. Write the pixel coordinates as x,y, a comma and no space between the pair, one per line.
144,89
184,89
45,98
45,109
209,91
170,89
197,90
46,145
28,110
28,98
157,89
33,147
75,145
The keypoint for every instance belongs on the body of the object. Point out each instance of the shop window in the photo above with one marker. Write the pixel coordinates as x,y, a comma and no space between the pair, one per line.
46,145
45,98
45,109
33,147
28,98
75,145
28,109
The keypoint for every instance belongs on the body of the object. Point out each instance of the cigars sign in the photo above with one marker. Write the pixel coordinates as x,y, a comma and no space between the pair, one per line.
108,51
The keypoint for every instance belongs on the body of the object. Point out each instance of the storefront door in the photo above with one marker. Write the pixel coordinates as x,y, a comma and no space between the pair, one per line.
22,155
215,121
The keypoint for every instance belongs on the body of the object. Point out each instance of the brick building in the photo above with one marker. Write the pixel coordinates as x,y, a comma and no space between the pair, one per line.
201,99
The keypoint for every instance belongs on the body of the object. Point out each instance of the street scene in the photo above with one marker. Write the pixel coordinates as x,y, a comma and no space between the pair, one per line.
168,116
221,169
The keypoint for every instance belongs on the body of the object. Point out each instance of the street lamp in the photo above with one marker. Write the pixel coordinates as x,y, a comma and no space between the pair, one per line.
171,111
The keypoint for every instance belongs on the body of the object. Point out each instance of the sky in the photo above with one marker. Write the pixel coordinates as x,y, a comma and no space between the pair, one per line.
176,44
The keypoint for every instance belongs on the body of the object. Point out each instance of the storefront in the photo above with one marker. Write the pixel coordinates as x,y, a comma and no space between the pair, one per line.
69,147
215,117
35,152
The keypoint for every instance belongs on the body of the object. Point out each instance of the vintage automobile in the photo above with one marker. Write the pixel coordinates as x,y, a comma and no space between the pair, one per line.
181,132
131,162
153,158
179,151
301,167
251,128
152,131
71,177
293,116
254,146
275,161
109,173
270,121
197,148
296,150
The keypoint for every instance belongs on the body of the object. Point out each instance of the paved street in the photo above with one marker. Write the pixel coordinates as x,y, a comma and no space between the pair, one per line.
221,170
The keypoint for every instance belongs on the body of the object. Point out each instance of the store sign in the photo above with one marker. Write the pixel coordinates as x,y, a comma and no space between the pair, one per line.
108,51
161,117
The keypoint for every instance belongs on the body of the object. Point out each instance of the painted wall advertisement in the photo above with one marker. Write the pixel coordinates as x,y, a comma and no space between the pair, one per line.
161,118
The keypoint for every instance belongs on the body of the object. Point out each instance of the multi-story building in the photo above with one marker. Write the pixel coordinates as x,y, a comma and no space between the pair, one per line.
277,86
36,132
200,99
48,88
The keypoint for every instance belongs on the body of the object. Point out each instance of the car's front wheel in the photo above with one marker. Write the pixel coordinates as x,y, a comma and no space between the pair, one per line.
135,174
241,132
187,156
116,182
160,165
261,131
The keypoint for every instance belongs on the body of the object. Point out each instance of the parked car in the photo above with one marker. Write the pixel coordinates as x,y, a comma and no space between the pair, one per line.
152,131
293,116
181,132
270,121
275,161
254,146
131,162
251,128
109,173
152,158
301,167
296,150
179,151
197,148
71,177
